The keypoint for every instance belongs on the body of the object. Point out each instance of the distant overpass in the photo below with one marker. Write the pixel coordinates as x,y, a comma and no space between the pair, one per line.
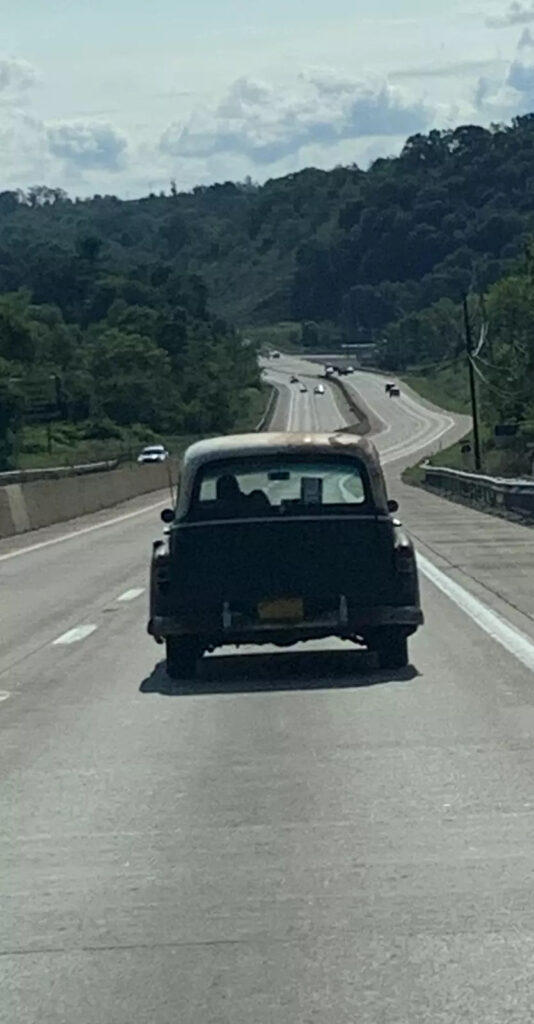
355,355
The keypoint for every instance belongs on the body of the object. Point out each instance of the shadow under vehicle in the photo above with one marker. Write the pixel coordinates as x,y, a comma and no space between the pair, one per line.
279,538
265,671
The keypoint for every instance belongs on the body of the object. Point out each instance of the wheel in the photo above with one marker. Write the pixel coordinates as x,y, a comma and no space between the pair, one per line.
182,655
392,649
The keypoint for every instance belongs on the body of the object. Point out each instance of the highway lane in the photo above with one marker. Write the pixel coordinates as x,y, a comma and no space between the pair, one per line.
403,427
295,838
492,558
306,412
70,575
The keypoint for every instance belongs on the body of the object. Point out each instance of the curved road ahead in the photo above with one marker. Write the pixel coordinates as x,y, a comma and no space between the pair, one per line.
296,838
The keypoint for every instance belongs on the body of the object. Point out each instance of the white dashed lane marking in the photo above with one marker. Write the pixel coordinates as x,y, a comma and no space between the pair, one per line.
4,695
73,635
130,595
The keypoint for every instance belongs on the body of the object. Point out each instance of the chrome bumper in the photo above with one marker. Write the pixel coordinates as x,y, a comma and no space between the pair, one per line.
230,626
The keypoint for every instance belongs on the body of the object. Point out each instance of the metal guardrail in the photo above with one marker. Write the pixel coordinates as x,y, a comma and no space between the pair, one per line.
23,476
498,493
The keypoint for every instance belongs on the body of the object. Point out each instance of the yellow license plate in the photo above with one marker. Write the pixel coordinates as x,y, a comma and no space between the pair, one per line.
290,609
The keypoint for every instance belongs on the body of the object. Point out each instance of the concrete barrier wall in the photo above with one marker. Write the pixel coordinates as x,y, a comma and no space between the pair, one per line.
495,493
268,415
6,519
361,425
37,503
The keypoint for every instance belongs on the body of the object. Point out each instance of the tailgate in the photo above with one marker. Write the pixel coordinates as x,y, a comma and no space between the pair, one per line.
247,563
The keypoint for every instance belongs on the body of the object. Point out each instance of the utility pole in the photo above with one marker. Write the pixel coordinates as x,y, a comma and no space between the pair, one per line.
57,392
472,386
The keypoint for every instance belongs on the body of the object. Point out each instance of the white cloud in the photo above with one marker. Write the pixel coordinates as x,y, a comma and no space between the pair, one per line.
266,124
256,111
25,156
455,69
87,146
516,14
17,76
526,40
513,92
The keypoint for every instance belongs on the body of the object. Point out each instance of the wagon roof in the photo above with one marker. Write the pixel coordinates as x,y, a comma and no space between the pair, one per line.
261,444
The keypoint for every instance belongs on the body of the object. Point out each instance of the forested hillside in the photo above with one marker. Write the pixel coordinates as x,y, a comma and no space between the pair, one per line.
107,352
107,300
353,247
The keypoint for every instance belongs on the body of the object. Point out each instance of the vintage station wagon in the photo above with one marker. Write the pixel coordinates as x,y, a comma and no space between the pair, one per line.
279,538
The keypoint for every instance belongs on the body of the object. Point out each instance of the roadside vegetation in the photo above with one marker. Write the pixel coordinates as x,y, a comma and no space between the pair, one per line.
446,386
59,443
286,336
97,360
503,362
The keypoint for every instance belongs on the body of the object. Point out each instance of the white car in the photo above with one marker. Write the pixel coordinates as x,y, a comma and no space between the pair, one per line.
318,389
153,453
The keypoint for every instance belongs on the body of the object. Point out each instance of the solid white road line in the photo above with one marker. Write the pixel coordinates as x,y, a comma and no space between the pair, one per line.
73,635
4,695
512,639
130,595
79,533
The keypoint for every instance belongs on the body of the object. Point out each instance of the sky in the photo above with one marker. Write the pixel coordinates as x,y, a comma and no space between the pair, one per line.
121,96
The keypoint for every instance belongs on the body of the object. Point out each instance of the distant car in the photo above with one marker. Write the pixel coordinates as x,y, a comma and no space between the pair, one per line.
303,388
318,389
329,370
275,355
153,453
394,391
294,380
350,369
388,387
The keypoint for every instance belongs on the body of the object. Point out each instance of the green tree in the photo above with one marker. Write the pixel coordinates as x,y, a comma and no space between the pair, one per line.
132,378
509,370
10,416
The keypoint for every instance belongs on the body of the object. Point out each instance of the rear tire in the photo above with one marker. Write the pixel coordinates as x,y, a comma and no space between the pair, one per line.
182,655
392,649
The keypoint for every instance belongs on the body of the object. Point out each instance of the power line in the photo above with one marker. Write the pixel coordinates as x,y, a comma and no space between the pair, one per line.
482,339
496,369
492,387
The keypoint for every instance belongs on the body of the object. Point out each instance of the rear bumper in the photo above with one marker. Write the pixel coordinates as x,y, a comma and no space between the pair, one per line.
230,629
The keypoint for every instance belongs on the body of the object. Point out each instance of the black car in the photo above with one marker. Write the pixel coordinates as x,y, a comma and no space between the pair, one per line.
277,539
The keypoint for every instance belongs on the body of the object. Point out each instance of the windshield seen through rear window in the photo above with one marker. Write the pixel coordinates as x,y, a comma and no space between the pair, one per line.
269,487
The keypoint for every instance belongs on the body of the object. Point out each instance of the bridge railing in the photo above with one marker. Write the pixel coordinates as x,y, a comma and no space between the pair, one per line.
498,493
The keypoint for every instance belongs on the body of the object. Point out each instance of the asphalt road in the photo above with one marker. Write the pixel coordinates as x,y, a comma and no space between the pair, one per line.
295,838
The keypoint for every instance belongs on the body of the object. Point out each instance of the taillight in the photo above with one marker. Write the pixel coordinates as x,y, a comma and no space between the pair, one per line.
163,578
404,558
162,569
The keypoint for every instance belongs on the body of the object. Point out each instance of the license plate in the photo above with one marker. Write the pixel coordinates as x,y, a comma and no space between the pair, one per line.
290,609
